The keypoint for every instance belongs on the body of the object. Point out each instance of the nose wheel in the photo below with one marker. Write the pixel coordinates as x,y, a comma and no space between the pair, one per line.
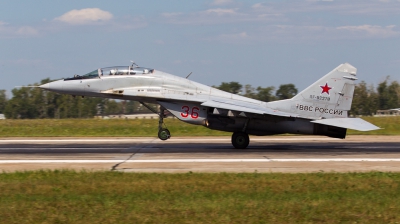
240,140
164,134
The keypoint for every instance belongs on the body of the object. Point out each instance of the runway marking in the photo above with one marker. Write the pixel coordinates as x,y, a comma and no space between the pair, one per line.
205,160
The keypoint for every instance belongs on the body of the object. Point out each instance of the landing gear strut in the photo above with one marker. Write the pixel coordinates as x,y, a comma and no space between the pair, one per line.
240,140
163,133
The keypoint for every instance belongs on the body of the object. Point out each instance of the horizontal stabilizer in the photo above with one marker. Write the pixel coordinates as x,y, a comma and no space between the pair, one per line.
350,123
245,107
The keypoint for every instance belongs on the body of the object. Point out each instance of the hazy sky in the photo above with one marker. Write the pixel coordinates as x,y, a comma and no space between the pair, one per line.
262,43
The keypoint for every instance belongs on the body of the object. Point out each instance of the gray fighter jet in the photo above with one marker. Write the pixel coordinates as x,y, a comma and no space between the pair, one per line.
320,109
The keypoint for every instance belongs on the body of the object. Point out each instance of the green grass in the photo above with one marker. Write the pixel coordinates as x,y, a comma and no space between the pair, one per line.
99,128
113,197
139,128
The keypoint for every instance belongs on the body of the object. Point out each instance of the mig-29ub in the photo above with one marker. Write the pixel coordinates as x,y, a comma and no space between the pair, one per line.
320,109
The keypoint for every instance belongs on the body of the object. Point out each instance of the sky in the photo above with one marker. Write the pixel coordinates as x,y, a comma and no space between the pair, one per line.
261,43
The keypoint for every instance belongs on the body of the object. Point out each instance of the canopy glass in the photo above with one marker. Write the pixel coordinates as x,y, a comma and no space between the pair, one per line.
114,70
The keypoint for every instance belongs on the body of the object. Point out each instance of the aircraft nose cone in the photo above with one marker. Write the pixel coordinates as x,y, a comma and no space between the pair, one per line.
45,86
55,86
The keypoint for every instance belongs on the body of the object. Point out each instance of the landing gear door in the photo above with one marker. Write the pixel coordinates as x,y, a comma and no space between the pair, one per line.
188,112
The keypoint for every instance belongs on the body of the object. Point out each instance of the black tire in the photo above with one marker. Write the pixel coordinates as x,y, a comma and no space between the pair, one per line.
240,140
164,134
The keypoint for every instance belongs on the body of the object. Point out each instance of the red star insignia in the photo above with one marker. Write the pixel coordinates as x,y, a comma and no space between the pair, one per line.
325,89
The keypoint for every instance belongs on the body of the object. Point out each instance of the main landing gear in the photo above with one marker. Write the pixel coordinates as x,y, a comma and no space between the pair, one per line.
163,133
240,140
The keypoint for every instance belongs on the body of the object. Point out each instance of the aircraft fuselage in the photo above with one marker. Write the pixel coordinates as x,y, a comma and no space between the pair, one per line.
321,109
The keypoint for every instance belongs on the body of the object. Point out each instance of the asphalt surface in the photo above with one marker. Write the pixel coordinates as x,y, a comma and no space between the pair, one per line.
203,154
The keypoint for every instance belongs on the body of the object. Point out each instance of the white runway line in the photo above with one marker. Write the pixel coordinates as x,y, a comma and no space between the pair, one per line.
204,160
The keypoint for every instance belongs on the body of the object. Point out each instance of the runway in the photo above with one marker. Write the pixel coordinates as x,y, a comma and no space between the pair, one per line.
203,154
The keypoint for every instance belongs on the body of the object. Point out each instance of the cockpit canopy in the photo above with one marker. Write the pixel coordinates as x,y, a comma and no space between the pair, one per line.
115,70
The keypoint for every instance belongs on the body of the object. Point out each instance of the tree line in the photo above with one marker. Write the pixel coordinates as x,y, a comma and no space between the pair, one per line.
30,102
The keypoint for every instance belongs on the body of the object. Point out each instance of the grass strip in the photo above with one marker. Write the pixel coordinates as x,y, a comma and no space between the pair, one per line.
140,128
65,196
99,128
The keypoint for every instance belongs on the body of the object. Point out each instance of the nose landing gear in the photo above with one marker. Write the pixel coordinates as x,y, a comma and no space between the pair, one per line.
163,133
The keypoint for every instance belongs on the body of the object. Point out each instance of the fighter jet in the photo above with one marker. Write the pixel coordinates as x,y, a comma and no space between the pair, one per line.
320,109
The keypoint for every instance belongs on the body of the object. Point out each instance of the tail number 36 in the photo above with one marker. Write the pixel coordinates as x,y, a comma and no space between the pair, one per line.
192,112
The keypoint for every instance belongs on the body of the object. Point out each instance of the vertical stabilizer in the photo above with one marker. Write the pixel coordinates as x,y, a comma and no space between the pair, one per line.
329,97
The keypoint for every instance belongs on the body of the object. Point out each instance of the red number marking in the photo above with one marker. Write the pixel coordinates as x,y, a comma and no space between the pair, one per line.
195,113
186,110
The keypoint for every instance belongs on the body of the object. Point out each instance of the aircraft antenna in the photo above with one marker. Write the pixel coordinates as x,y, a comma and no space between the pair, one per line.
188,75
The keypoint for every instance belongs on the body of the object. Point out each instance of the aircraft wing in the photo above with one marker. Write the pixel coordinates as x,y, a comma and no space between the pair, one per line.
350,123
239,106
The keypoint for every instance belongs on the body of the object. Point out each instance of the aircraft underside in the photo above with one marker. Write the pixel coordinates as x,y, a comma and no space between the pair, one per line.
260,125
